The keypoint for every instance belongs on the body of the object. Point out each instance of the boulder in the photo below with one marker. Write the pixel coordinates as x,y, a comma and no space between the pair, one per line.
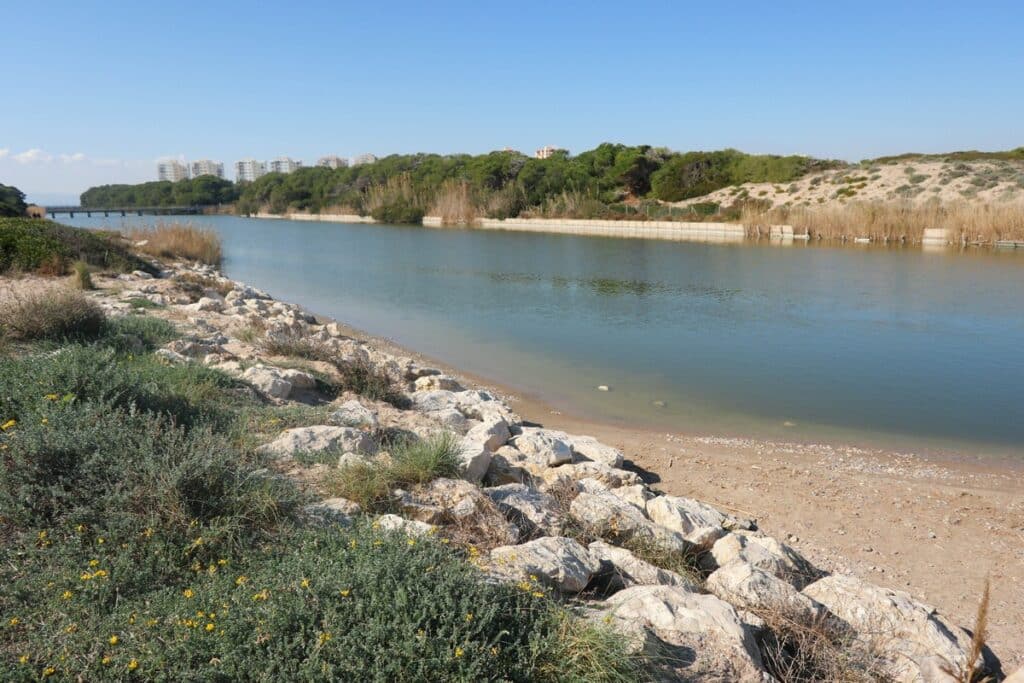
507,467
699,523
723,647
299,379
432,401
437,382
409,527
557,561
569,475
765,553
465,505
206,304
450,418
748,587
636,495
333,511
492,433
589,448
320,438
627,570
474,453
170,357
531,510
543,446
912,640
606,515
268,381
354,414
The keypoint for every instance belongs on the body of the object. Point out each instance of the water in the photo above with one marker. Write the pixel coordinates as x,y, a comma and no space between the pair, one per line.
881,347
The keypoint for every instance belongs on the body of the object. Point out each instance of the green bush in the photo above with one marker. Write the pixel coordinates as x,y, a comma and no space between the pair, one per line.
31,244
82,276
399,212
12,201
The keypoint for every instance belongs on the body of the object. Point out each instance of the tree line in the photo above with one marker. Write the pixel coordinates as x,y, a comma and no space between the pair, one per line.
204,190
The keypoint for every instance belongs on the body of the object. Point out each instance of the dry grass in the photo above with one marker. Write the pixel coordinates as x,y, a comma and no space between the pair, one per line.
81,276
175,240
974,670
967,223
454,204
397,189
57,314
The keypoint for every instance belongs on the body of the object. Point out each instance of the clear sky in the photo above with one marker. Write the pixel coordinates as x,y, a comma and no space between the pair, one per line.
95,92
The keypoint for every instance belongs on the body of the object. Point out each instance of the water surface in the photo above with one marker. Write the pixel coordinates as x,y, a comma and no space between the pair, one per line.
888,347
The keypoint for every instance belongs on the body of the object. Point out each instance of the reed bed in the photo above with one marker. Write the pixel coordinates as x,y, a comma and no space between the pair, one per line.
454,204
176,240
895,221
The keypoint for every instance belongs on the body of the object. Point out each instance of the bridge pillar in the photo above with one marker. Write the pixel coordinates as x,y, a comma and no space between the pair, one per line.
89,214
71,214
140,213
106,214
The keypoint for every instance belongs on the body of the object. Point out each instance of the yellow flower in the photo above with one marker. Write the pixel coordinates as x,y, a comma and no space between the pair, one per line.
15,621
49,671
188,593
210,626
344,592
113,640
411,541
241,580
101,540
100,573
42,535
469,616
93,563
324,637
45,421
304,583
459,652
222,562
352,544
131,618
71,628
85,576
152,622
66,595
213,615
52,397
23,659
538,594
262,595
495,651
7,425
133,665
105,661
80,528
148,532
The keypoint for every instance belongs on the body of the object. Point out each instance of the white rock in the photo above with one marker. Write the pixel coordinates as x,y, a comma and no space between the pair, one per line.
557,561
354,414
589,448
433,401
320,438
528,508
724,647
492,433
606,515
451,418
636,495
206,304
699,523
544,446
410,527
629,570
765,553
508,466
141,275
906,634
475,450
437,382
570,474
172,357
268,381
299,379
746,586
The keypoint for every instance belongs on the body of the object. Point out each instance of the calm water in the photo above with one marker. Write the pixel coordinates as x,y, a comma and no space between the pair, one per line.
897,348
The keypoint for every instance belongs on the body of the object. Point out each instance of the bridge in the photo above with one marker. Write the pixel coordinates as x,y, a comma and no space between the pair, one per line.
125,210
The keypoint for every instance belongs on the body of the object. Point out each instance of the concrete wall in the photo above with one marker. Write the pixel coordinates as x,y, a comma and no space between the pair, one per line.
664,230
319,217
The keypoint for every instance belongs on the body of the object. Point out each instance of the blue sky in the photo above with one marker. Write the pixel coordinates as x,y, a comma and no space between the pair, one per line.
96,92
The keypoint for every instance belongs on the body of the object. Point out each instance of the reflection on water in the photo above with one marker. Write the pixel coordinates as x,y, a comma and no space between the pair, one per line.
884,346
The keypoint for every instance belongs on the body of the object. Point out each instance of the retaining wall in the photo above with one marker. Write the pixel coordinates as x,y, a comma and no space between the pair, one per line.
664,230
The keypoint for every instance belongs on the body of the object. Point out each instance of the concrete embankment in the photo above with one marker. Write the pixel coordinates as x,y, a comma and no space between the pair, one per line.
662,230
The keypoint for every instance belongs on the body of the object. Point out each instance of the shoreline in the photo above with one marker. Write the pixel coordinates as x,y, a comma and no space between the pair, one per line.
908,521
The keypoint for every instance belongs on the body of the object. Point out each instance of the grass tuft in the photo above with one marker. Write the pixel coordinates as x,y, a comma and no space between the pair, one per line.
82,277
53,315
173,240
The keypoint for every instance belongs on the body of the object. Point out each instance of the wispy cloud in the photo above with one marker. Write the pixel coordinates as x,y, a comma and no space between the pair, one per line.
72,158
33,156
4,152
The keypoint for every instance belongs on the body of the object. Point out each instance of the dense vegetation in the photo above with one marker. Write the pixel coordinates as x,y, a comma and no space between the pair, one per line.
12,201
1016,154
44,246
401,188
205,190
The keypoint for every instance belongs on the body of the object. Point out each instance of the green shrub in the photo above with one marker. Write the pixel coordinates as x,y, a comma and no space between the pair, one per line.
82,276
51,315
399,212
31,244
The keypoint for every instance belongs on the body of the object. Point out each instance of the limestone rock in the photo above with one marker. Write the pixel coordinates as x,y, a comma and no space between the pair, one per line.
746,586
723,646
507,467
464,504
299,379
609,516
699,523
410,527
589,448
333,511
636,495
906,634
628,570
437,382
544,446
354,414
765,553
492,433
320,438
207,304
570,474
268,381
530,509
560,562
170,357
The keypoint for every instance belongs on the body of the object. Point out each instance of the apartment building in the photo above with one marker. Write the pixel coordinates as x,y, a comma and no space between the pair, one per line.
547,151
249,170
171,170
332,161
283,165
364,159
207,167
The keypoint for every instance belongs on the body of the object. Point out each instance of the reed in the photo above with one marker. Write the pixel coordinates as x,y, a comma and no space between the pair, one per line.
965,222
454,204
176,240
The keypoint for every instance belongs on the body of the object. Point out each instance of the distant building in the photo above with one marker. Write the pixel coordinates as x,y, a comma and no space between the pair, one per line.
283,165
171,170
332,161
207,167
364,159
547,151
249,170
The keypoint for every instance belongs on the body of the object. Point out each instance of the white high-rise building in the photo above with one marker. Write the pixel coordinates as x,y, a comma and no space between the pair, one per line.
283,165
364,159
171,170
207,167
249,170
546,151
332,161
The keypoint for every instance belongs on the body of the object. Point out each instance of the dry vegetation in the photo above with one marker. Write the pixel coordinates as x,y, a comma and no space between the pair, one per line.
56,314
174,240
